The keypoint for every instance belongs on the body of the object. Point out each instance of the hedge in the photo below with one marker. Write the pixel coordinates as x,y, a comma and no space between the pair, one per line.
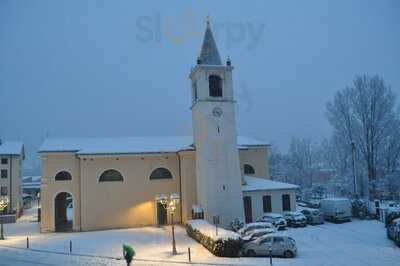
220,247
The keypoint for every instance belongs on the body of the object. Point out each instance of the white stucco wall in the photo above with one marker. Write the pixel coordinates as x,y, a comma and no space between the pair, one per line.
276,199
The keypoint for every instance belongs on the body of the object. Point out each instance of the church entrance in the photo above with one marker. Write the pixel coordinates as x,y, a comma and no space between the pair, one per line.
248,213
63,212
161,215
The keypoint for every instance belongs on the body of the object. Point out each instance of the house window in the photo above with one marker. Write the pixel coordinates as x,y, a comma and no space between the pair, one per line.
63,176
267,204
111,176
4,161
161,173
249,170
4,191
4,173
215,86
286,202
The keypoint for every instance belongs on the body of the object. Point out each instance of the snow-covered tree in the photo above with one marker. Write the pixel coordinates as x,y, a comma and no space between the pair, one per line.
364,113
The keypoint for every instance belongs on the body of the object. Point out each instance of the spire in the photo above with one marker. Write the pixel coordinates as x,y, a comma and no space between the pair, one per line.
209,52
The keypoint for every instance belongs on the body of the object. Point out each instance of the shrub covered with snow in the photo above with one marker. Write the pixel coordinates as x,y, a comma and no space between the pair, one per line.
226,244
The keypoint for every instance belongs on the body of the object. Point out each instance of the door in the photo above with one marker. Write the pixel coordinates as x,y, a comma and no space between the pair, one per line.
63,212
161,214
278,247
265,246
286,202
248,213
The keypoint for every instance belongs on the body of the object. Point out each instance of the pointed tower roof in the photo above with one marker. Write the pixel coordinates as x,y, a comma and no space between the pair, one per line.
209,52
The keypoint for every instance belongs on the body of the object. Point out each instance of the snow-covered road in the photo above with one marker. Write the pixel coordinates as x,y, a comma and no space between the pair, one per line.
356,243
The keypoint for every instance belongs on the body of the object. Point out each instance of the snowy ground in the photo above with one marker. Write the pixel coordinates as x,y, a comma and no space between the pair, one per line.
356,243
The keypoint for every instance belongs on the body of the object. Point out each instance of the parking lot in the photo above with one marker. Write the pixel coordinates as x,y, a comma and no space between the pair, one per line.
355,243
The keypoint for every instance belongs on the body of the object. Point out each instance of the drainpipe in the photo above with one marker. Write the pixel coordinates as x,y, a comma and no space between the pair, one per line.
180,185
10,177
80,194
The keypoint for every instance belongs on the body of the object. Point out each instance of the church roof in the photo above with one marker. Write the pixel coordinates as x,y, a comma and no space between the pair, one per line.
259,184
209,52
133,145
12,148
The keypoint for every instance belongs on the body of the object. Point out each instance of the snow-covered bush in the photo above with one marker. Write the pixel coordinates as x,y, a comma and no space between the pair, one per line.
226,244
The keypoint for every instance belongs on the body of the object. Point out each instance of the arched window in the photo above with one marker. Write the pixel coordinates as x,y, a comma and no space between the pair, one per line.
249,170
111,176
62,176
215,85
161,173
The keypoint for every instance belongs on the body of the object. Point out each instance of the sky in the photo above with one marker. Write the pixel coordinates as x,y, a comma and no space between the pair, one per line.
120,68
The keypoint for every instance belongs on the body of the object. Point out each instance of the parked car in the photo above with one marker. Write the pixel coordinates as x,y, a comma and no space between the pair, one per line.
393,231
295,219
274,218
256,233
278,245
255,226
336,209
313,216
392,213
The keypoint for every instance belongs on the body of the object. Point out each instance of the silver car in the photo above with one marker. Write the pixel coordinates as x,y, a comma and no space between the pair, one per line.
278,245
256,233
314,216
275,218
255,226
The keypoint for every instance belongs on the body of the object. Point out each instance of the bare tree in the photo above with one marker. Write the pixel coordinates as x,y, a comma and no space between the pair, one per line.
365,114
303,161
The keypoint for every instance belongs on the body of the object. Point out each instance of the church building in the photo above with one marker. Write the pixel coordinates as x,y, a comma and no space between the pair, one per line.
104,183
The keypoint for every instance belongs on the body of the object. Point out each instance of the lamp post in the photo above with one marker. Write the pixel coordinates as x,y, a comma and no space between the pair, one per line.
170,203
3,205
353,151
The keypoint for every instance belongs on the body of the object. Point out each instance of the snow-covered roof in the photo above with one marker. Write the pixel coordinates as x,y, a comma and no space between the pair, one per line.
12,148
133,145
256,184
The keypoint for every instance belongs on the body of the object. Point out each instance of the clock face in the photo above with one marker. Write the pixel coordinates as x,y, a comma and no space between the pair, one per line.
217,112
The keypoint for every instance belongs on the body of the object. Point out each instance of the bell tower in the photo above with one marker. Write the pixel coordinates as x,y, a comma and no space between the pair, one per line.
214,129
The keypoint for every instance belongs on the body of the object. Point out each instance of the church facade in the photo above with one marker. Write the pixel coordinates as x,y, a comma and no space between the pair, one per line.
104,183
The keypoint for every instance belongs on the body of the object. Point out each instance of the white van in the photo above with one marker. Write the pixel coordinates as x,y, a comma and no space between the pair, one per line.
336,209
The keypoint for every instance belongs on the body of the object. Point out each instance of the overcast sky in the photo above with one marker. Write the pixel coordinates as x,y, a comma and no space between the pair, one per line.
120,68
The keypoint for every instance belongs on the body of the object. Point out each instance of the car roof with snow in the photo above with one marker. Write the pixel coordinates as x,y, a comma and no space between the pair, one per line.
335,199
258,223
301,208
293,213
277,234
263,230
273,215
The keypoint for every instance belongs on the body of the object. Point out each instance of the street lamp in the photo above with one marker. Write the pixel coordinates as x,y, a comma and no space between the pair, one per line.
353,152
170,204
3,205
